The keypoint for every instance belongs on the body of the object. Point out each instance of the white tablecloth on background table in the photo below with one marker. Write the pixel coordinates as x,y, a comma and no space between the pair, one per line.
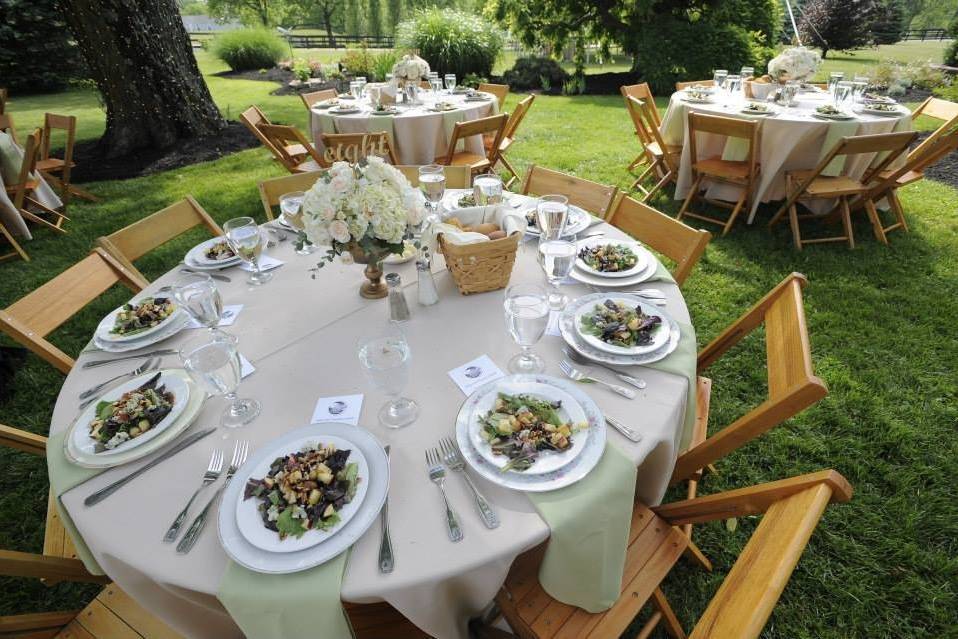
9,215
301,335
792,140
419,135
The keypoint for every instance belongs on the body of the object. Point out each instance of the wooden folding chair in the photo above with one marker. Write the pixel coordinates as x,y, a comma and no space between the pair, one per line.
694,83
739,173
353,147
939,110
509,136
680,243
309,99
274,188
136,240
663,158
293,150
801,186
6,125
57,170
23,191
501,91
589,196
743,603
494,125
4,97
31,318
457,177
642,93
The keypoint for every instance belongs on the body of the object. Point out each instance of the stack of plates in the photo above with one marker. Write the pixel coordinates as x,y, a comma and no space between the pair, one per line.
249,543
112,343
196,258
664,342
644,268
552,470
577,222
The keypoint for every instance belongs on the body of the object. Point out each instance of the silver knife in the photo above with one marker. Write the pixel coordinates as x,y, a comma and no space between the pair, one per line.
622,428
104,362
385,544
186,442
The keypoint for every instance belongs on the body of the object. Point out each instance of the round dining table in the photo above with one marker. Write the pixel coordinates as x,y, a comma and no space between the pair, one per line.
791,139
419,134
301,336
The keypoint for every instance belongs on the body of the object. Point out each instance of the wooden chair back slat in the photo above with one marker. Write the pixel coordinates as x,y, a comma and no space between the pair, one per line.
66,123
272,189
694,83
283,137
666,235
719,125
6,125
641,92
253,118
457,177
353,147
518,116
492,125
635,106
647,112
938,109
311,98
916,162
587,195
501,91
4,97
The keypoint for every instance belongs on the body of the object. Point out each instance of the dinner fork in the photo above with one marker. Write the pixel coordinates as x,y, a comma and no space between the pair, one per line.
454,461
576,375
437,475
149,364
240,451
386,560
584,361
211,475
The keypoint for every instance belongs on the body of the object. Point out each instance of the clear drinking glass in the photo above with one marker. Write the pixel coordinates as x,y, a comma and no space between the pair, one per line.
199,297
291,204
412,93
450,79
734,84
789,91
245,239
557,258
362,85
385,359
747,73
432,183
718,76
487,189
552,213
213,361
842,92
436,85
833,79
356,88
859,88
527,317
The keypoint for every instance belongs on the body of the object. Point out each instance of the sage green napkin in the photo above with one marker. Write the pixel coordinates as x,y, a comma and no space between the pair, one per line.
299,604
65,475
589,523
836,131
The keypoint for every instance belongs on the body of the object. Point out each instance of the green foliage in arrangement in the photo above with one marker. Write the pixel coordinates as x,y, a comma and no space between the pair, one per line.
248,49
452,41
36,51
535,73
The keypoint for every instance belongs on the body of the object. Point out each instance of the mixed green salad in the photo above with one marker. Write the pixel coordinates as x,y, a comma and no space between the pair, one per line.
619,324
136,318
133,414
219,251
828,109
884,107
305,490
609,258
467,200
756,107
522,426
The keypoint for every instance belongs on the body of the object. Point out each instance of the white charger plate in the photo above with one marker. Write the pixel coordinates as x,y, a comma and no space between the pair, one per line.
194,404
170,328
247,513
570,473
197,255
660,336
840,117
873,111
103,334
258,560
546,461
609,282
641,262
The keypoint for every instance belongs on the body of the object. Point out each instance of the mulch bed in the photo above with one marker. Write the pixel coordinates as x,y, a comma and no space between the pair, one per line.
944,170
278,76
91,167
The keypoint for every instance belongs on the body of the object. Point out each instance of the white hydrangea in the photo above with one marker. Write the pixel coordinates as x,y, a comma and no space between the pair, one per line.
795,63
410,67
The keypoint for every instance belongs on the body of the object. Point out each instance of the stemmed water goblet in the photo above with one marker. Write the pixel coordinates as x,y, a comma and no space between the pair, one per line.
718,76
245,239
487,189
432,183
552,214
527,317
842,92
436,85
356,89
557,258
747,73
213,362
198,296
385,360
859,88
450,79
362,85
833,79
291,204
734,84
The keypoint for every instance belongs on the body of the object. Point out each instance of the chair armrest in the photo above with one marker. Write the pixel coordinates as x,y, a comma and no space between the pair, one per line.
11,437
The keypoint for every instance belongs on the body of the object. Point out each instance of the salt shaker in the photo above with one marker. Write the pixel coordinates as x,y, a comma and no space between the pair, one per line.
398,308
428,295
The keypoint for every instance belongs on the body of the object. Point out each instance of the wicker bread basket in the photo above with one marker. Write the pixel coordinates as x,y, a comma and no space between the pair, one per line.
483,266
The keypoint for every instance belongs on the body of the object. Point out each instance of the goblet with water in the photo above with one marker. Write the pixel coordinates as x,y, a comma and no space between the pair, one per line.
552,214
198,296
527,317
214,363
432,183
450,79
718,76
557,258
487,189
385,360
245,239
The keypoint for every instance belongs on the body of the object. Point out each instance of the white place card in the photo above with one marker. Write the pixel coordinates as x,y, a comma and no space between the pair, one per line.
474,374
246,368
266,263
553,327
344,409
226,319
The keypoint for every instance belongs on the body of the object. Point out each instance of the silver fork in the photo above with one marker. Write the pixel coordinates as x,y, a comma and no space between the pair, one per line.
147,365
576,375
437,475
211,475
456,464
240,451
581,359
386,559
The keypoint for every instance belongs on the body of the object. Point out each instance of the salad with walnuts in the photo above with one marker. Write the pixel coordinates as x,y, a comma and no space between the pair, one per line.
133,414
305,490
219,251
521,427
609,258
620,324
136,318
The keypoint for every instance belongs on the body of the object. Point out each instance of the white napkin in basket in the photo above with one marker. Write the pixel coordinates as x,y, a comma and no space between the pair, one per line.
504,216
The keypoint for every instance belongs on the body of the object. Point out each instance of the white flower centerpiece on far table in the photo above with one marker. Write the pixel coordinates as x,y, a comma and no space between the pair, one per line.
364,212
410,68
794,63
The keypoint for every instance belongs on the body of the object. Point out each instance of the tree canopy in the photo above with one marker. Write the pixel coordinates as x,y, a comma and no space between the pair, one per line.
837,25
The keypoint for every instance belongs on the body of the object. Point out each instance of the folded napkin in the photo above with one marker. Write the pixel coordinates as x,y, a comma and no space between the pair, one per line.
504,216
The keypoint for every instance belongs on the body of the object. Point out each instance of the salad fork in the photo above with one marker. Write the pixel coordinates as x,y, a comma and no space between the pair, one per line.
240,451
386,560
211,475
576,375
149,364
584,361
437,475
456,464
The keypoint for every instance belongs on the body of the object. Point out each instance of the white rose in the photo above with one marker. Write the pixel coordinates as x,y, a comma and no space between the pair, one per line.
339,231
346,258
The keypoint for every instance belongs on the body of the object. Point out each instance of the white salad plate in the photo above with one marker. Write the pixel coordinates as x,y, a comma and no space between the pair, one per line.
832,116
568,474
546,461
660,336
103,334
651,266
259,560
341,110
250,521
691,100
577,222
173,325
758,114
871,110
641,263
80,447
197,255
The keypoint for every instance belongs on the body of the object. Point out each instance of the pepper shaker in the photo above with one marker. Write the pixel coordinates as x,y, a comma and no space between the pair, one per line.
428,294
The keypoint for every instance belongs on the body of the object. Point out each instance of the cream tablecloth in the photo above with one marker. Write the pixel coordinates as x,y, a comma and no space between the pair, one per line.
790,141
301,335
419,135
9,215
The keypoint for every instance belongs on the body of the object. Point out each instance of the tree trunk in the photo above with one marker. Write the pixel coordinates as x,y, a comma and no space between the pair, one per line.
139,55
328,22
824,53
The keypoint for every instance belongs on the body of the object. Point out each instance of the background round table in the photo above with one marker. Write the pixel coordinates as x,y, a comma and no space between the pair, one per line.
791,140
301,335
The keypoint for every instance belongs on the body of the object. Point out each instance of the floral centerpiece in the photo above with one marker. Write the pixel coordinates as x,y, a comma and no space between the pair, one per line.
364,212
410,68
794,63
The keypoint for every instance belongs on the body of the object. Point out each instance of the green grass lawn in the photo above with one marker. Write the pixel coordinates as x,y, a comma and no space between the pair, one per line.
882,332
